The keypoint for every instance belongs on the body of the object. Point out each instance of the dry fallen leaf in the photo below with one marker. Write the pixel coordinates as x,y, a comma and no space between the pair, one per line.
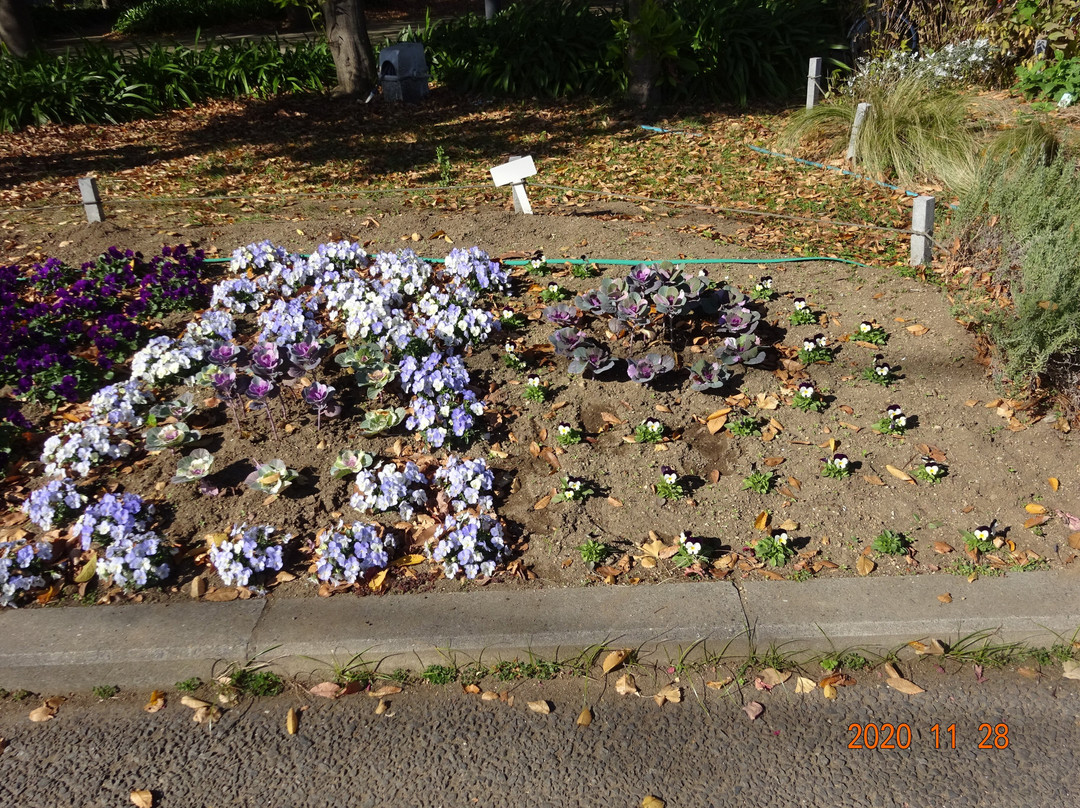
473,689
626,685
762,521
652,802
753,710
193,703
1070,669
1034,507
1074,540
292,721
541,706
804,685
222,595
829,691
614,660
945,598
157,702
584,718
864,566
42,713
898,474
918,330
489,695
873,479
904,686
721,684
943,548
327,690
385,690
773,677
382,707
142,798
672,693
1054,483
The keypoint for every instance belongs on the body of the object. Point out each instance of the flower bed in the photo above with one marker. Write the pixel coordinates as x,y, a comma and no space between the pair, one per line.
380,411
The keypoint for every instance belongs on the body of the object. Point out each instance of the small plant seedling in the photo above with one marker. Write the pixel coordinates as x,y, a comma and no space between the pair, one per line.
649,431
760,482
881,373
871,332
763,289
439,674
535,390
889,542
586,269
669,487
189,685
894,422
690,552
775,550
838,467
446,171
511,359
566,435
256,683
554,293
745,427
511,320
815,349
802,315
808,399
572,488
593,552
981,539
104,692
929,471
538,264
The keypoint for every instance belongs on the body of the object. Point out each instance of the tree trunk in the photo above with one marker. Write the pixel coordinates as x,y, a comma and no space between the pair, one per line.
354,59
642,64
16,27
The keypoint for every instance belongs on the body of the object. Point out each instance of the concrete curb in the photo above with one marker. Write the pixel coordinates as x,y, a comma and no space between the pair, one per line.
157,645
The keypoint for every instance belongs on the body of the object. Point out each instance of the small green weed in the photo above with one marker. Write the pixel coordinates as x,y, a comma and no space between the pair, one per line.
593,552
745,427
254,683
889,542
189,685
446,171
760,482
104,692
849,660
439,674
510,671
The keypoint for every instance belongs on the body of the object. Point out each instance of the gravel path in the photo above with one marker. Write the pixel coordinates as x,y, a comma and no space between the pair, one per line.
440,747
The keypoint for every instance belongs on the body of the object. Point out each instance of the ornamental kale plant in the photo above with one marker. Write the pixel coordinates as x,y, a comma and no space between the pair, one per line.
248,553
469,544
375,422
170,436
649,367
194,467
344,554
349,462
271,478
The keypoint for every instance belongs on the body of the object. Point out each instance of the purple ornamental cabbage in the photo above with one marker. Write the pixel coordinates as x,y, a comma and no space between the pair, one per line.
266,360
562,314
593,356
588,302
643,278
226,353
705,375
739,320
648,367
634,309
306,354
670,300
566,340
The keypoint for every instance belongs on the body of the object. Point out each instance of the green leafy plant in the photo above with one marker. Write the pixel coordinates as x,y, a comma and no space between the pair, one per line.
586,269
760,482
442,162
439,674
889,542
745,427
669,487
535,390
930,471
762,290
981,539
554,293
593,552
815,349
871,332
774,549
808,399
566,435
881,373
649,431
572,488
838,467
105,692
189,685
511,358
802,314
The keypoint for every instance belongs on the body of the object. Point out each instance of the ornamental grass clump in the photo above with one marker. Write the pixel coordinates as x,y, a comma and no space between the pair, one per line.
344,554
247,554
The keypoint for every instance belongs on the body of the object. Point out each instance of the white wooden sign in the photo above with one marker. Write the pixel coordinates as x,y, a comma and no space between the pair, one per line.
513,173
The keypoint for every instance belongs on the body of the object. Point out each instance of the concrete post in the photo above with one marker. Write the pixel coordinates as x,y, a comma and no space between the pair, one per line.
813,83
922,226
861,111
91,199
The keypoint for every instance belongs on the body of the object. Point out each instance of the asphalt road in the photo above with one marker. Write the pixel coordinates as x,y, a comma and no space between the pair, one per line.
438,746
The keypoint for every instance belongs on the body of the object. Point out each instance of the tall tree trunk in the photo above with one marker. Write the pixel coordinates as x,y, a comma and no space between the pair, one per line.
641,61
354,59
16,27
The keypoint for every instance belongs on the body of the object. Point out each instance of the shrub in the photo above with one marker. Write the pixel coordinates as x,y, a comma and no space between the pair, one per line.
1020,221
166,16
99,85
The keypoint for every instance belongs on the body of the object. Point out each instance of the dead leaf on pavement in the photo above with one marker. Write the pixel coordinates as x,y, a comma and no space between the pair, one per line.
672,693
385,690
157,702
614,660
42,713
1070,669
753,709
829,691
327,690
762,521
864,566
541,706
626,685
773,677
292,721
1034,507
904,686
804,685
945,598
652,802
142,798
721,684
943,548
918,329
1054,483
584,718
